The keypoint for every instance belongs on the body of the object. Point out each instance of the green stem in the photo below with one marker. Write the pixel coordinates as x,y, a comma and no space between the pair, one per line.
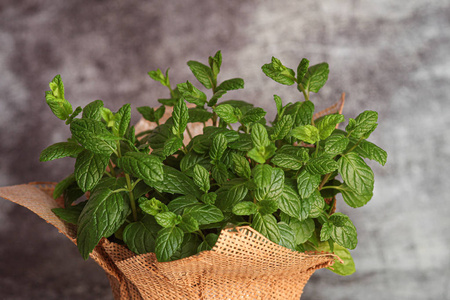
305,94
111,168
189,132
332,187
317,149
325,179
130,193
201,234
354,146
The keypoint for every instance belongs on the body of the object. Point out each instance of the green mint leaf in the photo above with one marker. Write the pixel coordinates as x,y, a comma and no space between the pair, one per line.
302,69
231,84
354,199
226,112
159,77
243,143
316,203
306,133
364,124
307,183
167,219
140,236
260,137
253,115
218,147
178,204
108,116
267,226
298,151
209,198
103,214
371,151
63,185
261,155
231,193
141,165
241,166
288,161
344,269
198,115
356,173
159,136
321,165
287,236
336,144
290,203
55,99
91,134
315,78
71,213
278,103
147,113
172,145
262,175
77,111
327,124
168,241
217,95
208,243
325,232
220,173
201,178
169,102
180,117
278,72
343,231
175,182
275,187
122,120
215,63
60,150
190,160
89,169
282,127
303,230
152,206
191,94
267,207
203,73
204,213
245,208
302,112
93,110
189,224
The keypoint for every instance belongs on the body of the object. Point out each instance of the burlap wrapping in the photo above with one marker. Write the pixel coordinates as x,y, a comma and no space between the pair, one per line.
242,265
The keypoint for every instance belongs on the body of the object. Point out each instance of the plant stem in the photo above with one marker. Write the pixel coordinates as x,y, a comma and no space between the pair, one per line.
332,187
130,193
189,132
354,146
201,234
325,179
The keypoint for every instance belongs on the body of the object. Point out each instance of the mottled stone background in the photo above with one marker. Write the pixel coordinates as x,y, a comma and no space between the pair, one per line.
389,56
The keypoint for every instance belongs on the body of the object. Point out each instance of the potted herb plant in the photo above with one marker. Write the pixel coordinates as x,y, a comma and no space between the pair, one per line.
157,198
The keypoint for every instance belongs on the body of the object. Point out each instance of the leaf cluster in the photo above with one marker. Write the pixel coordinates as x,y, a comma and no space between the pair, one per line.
155,193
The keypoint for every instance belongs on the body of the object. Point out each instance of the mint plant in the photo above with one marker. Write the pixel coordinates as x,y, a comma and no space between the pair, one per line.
154,193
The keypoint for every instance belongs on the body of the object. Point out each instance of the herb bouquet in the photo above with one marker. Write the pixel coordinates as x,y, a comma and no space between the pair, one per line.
257,194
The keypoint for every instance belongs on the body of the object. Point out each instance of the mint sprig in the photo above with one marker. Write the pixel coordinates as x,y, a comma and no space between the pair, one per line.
155,193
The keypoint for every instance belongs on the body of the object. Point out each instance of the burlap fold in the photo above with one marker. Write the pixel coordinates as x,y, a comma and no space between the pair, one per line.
242,265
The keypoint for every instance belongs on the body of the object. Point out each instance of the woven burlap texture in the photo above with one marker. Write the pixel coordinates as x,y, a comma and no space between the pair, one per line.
242,265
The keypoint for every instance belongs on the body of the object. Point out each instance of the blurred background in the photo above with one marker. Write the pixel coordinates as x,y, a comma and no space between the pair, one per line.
388,56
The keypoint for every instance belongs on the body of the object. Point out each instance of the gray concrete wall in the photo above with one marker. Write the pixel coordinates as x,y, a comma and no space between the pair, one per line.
389,56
